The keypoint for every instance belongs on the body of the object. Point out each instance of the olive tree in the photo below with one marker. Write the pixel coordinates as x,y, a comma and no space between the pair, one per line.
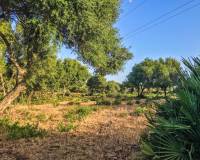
141,76
162,73
33,28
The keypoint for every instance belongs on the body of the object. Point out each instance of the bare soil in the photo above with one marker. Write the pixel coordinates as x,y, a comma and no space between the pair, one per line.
108,134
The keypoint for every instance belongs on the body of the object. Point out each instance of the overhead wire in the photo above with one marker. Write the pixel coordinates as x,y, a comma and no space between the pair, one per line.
134,9
165,20
151,22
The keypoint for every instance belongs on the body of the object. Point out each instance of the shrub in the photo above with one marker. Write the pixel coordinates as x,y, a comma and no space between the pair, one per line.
55,102
175,129
139,111
79,113
118,100
66,128
15,131
74,115
104,101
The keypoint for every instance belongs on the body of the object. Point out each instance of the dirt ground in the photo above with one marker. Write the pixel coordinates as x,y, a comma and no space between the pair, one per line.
108,134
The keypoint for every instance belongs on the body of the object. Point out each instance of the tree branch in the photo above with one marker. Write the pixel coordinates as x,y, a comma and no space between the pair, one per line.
20,71
11,55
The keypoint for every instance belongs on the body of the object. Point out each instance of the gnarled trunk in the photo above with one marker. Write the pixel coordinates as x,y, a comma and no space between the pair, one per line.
12,95
21,73
3,85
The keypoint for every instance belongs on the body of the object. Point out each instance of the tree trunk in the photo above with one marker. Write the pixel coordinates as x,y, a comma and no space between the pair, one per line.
142,91
165,91
21,73
3,85
11,96
138,91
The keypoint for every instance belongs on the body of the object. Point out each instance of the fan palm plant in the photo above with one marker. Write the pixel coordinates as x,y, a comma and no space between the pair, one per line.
174,131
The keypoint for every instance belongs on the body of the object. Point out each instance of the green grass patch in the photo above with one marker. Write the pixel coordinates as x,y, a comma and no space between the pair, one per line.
104,101
15,131
139,111
73,115
41,117
66,127
78,113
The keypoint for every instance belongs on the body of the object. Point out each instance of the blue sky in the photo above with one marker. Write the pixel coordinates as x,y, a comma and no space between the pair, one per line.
178,37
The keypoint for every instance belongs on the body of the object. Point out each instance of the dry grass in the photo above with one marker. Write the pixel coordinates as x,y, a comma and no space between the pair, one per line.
107,134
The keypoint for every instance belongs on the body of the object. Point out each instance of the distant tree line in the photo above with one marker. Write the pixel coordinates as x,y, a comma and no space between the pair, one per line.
51,75
156,74
98,84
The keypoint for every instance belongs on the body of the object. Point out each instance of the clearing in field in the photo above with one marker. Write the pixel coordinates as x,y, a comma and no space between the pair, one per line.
73,133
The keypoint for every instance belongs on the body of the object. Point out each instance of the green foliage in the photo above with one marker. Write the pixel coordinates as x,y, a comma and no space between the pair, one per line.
154,74
112,88
42,75
104,101
42,27
15,131
90,33
97,84
73,115
41,117
39,97
141,75
71,75
166,73
174,130
2,65
66,128
79,113
140,111
118,100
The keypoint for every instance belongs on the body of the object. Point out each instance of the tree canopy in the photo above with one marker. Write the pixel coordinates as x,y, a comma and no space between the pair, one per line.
33,31
97,84
84,26
71,75
161,73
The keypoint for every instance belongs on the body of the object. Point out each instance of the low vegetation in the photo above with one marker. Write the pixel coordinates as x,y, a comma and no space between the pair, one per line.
16,131
78,113
74,115
66,127
174,130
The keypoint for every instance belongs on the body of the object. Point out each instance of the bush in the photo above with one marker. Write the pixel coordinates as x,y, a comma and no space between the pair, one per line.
55,102
106,101
15,131
66,128
79,113
175,129
103,100
118,100
140,111
74,115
